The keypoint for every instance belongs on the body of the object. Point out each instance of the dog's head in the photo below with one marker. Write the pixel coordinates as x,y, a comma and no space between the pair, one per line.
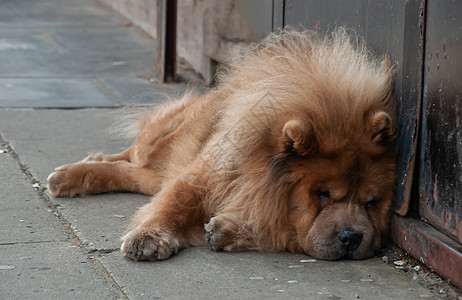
344,178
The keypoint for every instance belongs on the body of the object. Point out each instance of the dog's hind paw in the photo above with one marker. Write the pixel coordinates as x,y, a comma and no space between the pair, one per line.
54,184
64,182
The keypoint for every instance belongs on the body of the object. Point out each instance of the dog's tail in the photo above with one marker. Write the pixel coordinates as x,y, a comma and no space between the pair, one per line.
129,121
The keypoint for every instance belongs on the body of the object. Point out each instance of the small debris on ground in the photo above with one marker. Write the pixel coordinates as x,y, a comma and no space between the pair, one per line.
307,260
26,257
296,266
399,263
7,267
292,281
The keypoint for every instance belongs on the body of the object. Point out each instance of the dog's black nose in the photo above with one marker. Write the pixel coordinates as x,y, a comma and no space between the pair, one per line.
350,239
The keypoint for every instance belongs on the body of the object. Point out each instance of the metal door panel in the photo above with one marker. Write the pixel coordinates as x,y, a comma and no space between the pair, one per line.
440,184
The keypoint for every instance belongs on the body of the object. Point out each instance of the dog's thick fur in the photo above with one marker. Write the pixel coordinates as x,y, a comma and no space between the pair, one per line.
293,151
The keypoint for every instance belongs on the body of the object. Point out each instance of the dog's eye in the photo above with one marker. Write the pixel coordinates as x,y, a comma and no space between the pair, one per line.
324,195
373,202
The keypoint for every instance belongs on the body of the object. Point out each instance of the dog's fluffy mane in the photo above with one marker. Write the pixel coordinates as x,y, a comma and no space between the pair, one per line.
291,75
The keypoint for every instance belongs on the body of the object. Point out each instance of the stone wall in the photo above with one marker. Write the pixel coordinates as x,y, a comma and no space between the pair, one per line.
208,31
142,13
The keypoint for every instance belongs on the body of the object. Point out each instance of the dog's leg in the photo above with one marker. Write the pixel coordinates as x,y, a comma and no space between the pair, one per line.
172,220
82,179
125,155
225,232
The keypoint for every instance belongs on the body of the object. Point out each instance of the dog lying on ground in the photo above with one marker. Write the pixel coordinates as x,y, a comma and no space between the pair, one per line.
294,150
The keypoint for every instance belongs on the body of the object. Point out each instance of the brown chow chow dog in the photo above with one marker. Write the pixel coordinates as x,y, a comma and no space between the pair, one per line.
293,151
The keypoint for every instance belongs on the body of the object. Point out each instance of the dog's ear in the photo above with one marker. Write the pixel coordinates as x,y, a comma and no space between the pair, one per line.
382,127
298,136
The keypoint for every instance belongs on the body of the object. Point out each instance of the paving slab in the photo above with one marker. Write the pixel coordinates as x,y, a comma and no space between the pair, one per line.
53,92
200,273
114,63
21,42
69,39
70,13
37,261
100,221
24,218
13,64
102,40
57,270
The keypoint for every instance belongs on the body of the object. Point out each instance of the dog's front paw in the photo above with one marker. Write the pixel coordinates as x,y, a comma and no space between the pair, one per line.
220,234
149,245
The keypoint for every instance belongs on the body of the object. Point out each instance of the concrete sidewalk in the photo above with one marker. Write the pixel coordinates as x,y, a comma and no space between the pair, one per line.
65,67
